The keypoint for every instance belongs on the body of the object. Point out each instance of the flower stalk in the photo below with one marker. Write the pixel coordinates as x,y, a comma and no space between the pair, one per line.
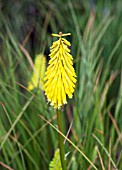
61,139
60,81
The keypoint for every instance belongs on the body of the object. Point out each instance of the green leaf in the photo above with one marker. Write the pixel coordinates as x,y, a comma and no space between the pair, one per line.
55,164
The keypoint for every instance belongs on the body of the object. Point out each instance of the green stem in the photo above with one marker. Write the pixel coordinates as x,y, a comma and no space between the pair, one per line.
60,138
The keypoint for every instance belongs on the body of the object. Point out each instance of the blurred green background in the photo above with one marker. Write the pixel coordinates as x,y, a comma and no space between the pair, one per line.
94,115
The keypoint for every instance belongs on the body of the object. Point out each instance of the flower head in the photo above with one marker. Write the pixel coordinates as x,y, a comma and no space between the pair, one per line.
60,75
37,79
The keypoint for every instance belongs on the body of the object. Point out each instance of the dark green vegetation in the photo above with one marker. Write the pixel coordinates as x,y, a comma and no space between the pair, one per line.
26,141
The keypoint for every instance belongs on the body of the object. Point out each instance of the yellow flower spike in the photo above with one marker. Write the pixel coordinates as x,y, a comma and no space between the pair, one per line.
60,77
38,73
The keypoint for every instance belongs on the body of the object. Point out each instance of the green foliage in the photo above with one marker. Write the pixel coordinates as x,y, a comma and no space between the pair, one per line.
55,164
93,117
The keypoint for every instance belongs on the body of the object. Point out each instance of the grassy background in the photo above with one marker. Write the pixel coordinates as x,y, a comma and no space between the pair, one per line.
94,115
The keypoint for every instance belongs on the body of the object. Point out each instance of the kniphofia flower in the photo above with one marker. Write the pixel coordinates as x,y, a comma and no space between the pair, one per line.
60,77
37,78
